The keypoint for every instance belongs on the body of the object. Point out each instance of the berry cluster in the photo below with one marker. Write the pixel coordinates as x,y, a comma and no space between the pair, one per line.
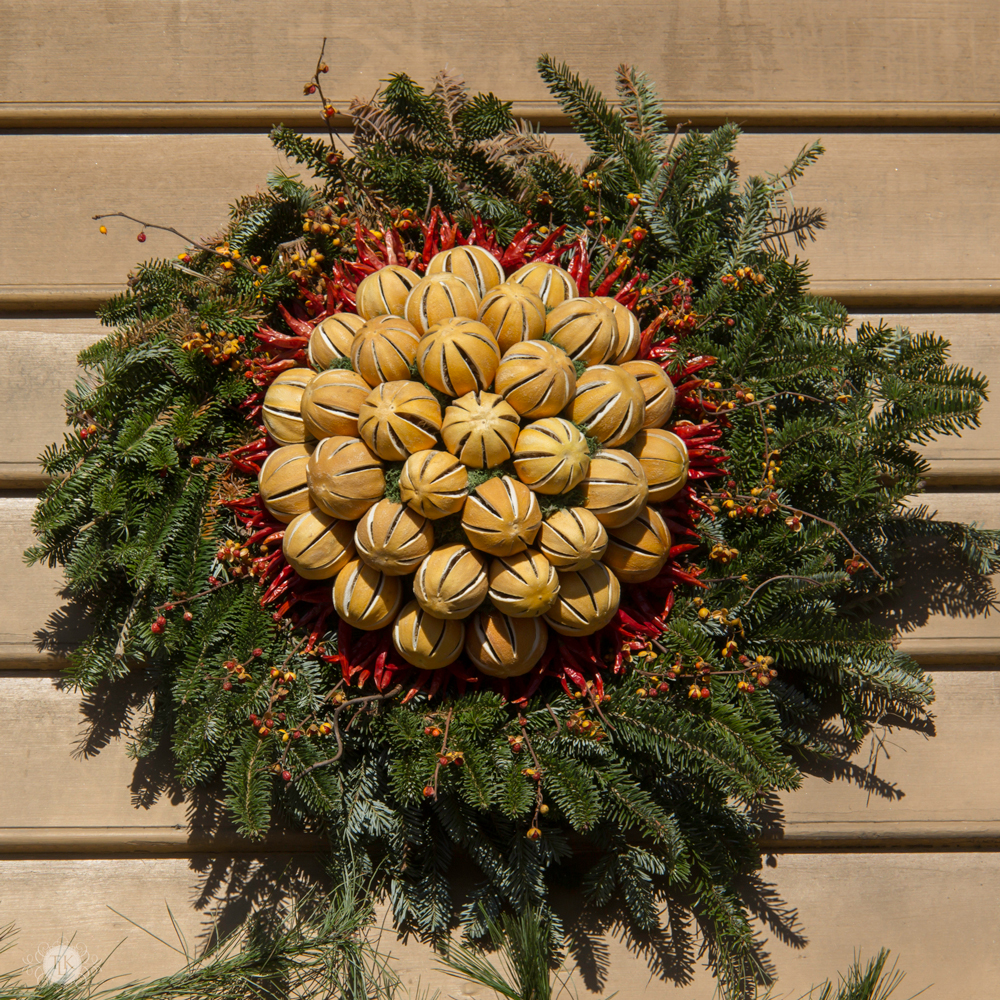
742,277
219,346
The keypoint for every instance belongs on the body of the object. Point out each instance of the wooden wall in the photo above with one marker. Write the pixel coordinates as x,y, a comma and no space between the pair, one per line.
161,110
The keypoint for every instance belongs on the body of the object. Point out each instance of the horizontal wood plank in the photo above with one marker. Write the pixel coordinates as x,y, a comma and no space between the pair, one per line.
936,913
71,789
38,364
942,616
910,61
37,367
911,216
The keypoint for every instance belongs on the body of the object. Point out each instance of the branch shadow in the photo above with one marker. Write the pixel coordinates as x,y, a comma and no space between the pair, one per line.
65,628
682,944
934,581
234,885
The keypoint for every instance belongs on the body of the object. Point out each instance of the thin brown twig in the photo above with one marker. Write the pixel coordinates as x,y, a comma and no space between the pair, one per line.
336,726
555,718
595,701
239,262
854,549
538,768
123,635
444,747
201,593
319,90
782,576
798,512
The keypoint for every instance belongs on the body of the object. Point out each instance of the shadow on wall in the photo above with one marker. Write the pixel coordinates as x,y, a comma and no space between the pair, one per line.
936,582
236,877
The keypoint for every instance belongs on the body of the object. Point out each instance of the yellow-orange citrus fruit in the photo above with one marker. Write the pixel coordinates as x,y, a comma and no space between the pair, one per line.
383,349
657,389
318,546
331,403
393,538
501,646
615,488
332,338
549,282
345,477
572,538
523,585
425,641
364,597
480,429
607,404
501,516
637,551
451,582
439,297
628,333
398,419
283,482
588,599
584,329
664,458
384,292
514,313
282,413
476,266
458,356
551,456
433,483
536,378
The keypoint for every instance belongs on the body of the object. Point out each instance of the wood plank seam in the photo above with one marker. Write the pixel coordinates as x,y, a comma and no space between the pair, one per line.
161,842
96,115
981,294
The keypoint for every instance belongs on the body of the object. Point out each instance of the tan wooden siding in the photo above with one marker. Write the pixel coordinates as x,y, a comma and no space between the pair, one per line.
937,912
161,111
36,419
903,231
905,787
84,63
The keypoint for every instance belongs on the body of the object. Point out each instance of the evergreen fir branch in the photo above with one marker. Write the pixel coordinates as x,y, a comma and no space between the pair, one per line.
642,109
605,130
823,428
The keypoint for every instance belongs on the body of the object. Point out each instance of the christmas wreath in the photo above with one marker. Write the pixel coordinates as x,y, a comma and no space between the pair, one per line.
460,501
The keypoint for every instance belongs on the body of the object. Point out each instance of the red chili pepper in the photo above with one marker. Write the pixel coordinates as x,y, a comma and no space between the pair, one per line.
436,682
430,235
579,267
608,283
514,255
359,271
448,231
380,670
278,586
301,327
625,295
395,252
423,676
599,686
276,339
542,249
485,237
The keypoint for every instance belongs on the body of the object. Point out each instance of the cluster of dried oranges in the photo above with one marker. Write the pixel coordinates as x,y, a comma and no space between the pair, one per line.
476,337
